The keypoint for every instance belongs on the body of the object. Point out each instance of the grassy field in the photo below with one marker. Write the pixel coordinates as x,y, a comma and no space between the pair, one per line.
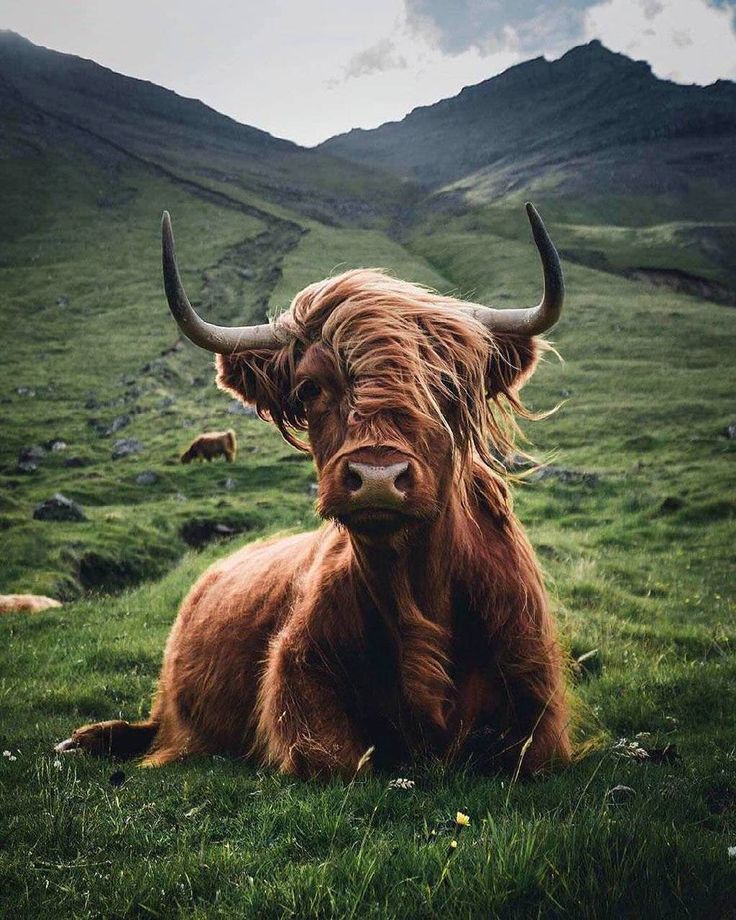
639,557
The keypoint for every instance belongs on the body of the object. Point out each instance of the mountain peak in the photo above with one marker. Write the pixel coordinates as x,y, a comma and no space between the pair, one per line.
595,55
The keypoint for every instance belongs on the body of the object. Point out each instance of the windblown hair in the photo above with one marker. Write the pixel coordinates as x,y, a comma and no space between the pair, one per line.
410,351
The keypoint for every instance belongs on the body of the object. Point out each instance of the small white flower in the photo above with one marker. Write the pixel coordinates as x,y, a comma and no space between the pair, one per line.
57,764
7,754
401,783
732,852
11,758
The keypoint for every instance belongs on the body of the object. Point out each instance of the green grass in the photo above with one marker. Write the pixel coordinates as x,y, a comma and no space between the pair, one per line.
646,388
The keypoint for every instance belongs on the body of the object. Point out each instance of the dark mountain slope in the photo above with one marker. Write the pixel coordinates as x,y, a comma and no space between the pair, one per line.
39,89
591,105
636,174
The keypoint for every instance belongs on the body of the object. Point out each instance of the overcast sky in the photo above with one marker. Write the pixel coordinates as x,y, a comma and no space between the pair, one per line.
306,70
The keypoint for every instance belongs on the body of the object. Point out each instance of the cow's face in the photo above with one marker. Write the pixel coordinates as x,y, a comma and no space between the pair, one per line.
384,462
397,392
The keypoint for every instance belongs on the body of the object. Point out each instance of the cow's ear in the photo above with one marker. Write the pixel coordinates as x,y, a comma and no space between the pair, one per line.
262,379
511,363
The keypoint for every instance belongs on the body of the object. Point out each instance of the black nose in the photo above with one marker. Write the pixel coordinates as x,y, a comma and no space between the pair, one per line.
377,485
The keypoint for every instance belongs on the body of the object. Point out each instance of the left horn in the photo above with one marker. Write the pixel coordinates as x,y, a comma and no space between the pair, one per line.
224,340
533,320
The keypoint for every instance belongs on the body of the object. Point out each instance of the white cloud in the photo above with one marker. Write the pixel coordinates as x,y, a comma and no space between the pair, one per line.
690,41
379,57
418,73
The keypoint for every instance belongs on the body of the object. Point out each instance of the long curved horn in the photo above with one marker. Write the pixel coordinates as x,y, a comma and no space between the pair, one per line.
533,320
224,340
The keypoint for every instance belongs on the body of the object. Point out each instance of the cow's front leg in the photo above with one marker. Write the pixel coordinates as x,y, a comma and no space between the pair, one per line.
539,735
303,727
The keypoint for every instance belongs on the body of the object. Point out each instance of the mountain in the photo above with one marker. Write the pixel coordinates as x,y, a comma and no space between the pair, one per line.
596,139
592,106
50,100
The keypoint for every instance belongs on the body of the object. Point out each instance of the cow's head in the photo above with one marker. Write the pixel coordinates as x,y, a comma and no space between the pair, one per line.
400,389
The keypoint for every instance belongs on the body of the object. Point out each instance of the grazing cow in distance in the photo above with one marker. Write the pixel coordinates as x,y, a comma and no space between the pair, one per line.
212,444
26,603
414,620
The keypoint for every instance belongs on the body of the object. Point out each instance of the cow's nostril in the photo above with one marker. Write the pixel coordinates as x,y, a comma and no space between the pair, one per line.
352,480
403,481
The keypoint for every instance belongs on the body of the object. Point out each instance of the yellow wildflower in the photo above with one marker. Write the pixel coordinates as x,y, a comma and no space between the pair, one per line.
453,844
462,820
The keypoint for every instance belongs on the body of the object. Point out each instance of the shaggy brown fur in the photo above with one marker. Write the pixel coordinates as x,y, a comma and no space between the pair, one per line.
210,445
427,631
26,603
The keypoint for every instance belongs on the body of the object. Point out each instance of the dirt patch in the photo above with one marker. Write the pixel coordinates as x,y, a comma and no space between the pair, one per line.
199,532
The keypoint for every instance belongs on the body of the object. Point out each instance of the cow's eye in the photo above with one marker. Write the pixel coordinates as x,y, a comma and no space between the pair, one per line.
307,391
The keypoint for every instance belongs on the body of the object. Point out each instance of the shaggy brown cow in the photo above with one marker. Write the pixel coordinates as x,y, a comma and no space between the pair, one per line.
212,444
415,619
26,603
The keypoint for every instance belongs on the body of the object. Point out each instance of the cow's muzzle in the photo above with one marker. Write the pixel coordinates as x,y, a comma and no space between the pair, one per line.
373,494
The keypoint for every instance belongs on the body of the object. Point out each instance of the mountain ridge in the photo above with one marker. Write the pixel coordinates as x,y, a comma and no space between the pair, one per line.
577,110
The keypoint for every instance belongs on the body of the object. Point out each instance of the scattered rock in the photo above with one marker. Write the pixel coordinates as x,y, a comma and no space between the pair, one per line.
32,454
25,391
120,421
620,794
731,431
126,447
75,462
91,402
671,503
26,466
160,369
200,381
59,508
200,531
236,407
146,478
62,301
312,490
166,402
230,484
569,477
246,274
56,444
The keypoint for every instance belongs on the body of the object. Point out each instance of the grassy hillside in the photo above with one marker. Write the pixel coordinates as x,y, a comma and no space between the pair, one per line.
634,526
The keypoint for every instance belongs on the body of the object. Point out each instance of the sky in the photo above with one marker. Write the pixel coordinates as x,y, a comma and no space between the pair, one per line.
307,70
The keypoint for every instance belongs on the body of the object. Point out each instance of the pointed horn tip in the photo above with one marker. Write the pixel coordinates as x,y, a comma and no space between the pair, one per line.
532,213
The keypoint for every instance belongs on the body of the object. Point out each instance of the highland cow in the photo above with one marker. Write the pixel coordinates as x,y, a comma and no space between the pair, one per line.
210,445
414,621
26,603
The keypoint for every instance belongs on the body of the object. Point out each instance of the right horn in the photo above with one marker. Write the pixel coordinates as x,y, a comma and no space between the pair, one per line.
223,340
533,320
